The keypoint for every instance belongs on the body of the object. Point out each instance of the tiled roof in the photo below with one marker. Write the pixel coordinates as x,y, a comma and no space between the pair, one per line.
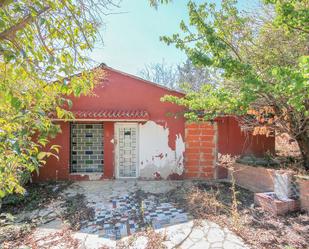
112,114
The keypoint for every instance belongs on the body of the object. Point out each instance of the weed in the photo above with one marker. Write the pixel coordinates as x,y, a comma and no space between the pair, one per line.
228,162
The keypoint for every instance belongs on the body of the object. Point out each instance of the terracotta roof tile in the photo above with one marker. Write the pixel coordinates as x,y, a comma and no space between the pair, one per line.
112,114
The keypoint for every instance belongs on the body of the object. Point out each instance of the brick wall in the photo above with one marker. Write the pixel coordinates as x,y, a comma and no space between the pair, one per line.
200,154
87,148
304,193
256,179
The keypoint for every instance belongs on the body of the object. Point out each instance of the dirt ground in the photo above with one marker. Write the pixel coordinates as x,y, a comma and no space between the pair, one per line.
209,201
258,228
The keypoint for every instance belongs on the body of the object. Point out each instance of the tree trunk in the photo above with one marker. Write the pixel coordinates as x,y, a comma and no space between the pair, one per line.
303,143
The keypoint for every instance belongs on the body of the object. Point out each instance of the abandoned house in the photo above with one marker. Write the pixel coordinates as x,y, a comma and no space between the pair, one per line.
123,130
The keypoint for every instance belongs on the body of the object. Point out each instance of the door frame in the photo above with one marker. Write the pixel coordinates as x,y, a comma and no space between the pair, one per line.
117,125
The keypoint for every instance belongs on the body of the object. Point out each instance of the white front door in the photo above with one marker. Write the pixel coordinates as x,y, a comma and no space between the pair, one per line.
126,155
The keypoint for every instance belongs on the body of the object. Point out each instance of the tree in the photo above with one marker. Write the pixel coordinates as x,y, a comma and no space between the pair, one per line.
156,3
192,77
42,43
263,60
182,76
161,73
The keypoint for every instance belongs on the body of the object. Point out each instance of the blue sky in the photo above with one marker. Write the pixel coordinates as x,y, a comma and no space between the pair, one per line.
131,38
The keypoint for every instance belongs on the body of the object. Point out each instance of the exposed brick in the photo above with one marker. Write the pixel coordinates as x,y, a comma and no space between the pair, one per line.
195,132
256,179
193,168
192,163
275,206
207,143
304,193
193,150
195,156
191,175
206,137
192,144
200,148
192,125
207,132
208,169
207,156
190,138
207,150
207,175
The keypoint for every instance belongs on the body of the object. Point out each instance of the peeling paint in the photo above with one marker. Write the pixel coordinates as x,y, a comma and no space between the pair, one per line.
156,157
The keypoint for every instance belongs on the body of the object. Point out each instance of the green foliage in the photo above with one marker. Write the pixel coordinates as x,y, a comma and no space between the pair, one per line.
208,102
263,60
292,14
42,43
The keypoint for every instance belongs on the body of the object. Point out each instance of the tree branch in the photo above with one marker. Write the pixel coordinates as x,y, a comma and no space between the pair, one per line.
11,32
42,39
221,39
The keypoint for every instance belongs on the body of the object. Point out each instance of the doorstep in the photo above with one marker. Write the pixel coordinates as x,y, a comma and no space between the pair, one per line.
86,176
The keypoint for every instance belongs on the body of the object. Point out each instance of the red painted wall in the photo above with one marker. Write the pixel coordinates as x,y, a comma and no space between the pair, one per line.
231,140
108,150
57,169
118,91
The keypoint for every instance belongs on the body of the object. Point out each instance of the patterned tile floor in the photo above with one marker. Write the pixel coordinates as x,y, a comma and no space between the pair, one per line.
124,215
114,203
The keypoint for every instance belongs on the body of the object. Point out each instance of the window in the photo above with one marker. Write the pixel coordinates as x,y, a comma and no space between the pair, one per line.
87,148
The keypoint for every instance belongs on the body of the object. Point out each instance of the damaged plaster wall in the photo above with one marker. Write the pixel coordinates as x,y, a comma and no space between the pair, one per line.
156,158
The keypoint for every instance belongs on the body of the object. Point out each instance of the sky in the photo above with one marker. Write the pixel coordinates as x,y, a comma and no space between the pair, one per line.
132,36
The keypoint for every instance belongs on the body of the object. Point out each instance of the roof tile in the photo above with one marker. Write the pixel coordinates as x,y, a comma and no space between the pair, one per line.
112,114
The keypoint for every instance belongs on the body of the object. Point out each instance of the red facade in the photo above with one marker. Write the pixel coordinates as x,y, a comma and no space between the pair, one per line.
232,140
125,99
118,92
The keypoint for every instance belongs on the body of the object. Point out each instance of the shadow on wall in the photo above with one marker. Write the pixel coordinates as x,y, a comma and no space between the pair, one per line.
232,140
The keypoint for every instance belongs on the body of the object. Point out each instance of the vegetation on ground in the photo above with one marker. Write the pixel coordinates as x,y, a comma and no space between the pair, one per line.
259,229
213,201
13,225
76,211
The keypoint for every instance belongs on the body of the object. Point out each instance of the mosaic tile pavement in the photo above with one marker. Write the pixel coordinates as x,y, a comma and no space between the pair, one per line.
124,215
